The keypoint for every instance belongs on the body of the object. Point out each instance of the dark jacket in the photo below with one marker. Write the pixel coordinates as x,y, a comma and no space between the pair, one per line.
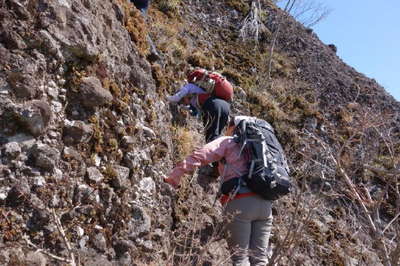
142,5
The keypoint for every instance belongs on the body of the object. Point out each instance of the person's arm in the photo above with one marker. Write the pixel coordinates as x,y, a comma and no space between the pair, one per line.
185,90
211,152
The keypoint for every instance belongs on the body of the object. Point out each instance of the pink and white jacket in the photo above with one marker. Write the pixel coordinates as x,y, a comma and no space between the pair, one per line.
221,148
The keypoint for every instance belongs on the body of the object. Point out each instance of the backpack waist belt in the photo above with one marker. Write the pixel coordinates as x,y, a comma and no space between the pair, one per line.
225,198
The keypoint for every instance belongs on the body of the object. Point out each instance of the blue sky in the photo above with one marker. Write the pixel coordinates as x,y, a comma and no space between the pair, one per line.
367,36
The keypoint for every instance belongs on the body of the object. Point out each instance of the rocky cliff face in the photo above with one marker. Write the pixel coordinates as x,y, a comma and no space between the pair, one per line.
86,135
83,131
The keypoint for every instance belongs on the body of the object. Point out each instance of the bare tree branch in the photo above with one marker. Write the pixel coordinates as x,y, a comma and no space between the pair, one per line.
252,24
64,237
38,249
391,222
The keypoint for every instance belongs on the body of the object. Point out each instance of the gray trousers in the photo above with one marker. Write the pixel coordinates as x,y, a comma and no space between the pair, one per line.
249,230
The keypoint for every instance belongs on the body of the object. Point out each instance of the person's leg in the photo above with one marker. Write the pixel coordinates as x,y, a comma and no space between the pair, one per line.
239,230
215,117
225,108
260,233
209,124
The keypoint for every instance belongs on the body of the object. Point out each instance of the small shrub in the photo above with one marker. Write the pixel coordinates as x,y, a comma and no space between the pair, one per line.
263,105
232,75
168,6
159,77
198,59
239,5
136,26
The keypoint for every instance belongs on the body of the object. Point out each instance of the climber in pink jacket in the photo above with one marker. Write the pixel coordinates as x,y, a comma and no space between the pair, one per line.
251,228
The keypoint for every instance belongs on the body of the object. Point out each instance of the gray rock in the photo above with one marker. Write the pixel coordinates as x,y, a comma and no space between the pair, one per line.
49,42
137,110
53,134
127,141
12,256
80,231
310,123
44,156
39,219
157,234
39,181
84,209
147,185
121,178
30,171
25,141
55,201
71,154
4,257
352,261
96,262
53,91
3,193
34,200
107,194
119,13
20,10
123,246
24,85
77,132
56,106
145,245
12,150
148,132
92,93
12,40
140,223
58,174
137,158
36,116
84,194
94,175
18,194
99,242
83,241
333,47
125,260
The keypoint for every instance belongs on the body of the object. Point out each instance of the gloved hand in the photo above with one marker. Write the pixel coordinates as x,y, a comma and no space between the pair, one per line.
171,181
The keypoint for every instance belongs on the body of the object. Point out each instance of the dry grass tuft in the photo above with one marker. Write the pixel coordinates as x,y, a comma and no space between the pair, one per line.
136,26
239,5
170,7
199,59
185,141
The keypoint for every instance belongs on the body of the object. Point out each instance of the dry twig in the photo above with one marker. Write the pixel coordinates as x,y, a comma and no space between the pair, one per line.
252,24
64,237
38,249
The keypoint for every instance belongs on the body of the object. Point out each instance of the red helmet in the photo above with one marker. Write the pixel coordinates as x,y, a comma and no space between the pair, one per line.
196,74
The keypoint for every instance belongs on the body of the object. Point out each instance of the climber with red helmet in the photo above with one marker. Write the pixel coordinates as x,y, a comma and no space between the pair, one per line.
209,94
